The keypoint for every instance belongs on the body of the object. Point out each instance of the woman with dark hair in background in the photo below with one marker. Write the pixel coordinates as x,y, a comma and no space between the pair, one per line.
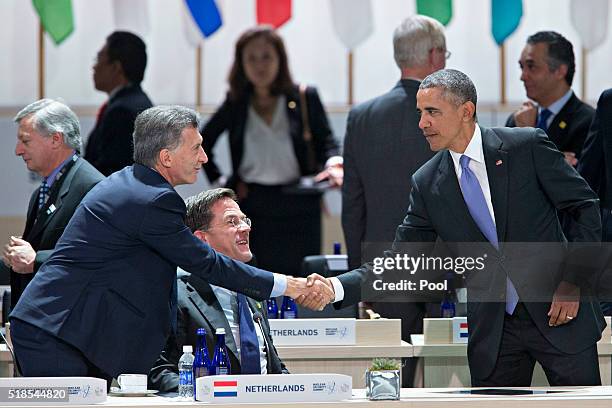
278,133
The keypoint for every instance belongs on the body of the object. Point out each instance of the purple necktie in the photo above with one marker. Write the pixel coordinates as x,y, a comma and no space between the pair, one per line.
477,205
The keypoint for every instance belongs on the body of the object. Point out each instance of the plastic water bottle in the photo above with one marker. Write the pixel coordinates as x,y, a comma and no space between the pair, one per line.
272,309
185,367
288,309
337,248
201,363
220,362
447,307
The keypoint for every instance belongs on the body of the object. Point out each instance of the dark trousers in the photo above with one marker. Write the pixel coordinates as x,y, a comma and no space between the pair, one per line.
40,354
522,345
605,286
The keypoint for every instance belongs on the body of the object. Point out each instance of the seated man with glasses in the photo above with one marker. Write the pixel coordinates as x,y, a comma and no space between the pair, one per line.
215,218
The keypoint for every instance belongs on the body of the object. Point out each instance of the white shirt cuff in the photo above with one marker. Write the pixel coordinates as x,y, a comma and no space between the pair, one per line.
280,285
332,161
338,289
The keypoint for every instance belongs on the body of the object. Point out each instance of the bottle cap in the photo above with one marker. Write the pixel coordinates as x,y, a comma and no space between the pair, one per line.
187,349
220,331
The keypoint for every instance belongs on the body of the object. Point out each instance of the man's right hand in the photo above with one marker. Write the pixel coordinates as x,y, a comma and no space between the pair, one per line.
317,293
527,115
310,301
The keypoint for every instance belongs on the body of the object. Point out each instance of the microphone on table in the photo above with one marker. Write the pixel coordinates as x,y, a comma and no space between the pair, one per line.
258,317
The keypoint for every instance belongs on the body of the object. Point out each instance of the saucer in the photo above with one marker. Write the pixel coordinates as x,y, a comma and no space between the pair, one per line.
117,392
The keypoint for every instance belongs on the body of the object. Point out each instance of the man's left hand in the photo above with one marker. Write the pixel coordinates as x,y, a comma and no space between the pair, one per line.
20,255
570,158
565,304
333,173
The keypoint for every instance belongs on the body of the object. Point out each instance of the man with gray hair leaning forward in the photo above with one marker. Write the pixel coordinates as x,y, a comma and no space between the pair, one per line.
493,187
105,301
49,142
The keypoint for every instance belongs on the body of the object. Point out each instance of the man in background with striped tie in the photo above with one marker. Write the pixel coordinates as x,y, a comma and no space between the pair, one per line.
49,142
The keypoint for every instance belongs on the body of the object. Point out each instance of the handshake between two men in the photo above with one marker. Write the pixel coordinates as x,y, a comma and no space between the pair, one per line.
313,292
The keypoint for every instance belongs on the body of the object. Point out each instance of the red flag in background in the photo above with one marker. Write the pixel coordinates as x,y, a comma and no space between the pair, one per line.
273,12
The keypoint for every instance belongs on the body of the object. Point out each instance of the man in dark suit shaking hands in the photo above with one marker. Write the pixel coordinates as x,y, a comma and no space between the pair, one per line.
494,187
105,301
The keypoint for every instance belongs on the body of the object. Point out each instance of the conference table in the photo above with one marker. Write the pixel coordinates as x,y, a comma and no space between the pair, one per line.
559,397
374,338
445,365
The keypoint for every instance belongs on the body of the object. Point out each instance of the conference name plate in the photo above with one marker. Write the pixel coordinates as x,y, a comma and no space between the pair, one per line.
51,391
229,389
313,332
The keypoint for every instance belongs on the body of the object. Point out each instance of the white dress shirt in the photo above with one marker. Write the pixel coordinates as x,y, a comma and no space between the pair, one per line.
269,156
229,303
477,165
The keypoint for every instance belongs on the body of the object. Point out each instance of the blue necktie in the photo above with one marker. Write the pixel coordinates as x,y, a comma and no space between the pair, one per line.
477,205
543,119
249,346
43,191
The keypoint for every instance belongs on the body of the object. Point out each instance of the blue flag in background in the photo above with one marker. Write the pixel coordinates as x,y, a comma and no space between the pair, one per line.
505,18
206,15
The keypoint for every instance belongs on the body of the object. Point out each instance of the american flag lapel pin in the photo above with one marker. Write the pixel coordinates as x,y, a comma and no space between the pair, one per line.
498,163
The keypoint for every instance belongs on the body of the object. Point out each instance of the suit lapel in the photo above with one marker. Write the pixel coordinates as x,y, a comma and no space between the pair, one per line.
55,199
559,127
32,212
204,299
447,188
497,173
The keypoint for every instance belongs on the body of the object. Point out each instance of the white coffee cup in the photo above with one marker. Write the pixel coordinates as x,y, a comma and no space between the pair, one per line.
132,382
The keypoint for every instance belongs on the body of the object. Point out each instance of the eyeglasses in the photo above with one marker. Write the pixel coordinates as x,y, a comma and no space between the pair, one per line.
447,53
237,222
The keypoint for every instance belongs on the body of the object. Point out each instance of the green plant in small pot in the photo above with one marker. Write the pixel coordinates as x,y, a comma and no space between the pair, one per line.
383,379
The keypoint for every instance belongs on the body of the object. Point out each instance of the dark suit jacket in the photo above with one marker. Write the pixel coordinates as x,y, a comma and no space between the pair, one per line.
530,183
42,231
110,146
383,147
109,287
596,163
198,307
232,116
569,128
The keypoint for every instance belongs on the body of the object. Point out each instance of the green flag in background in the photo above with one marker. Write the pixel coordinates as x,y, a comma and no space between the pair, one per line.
441,10
56,18
505,18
